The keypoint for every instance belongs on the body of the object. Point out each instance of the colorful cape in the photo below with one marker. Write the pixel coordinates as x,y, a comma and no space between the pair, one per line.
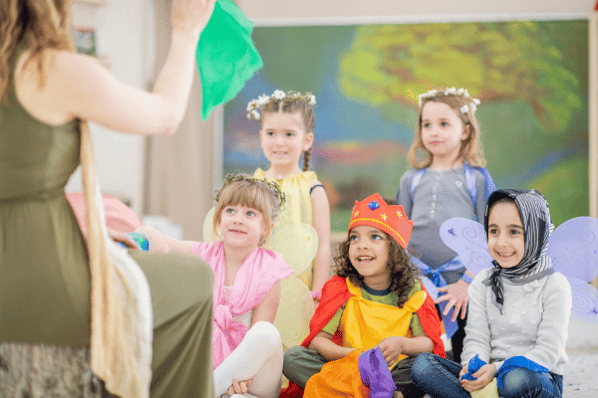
334,294
258,273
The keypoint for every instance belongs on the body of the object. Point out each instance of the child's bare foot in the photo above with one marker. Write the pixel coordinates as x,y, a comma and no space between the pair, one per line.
397,394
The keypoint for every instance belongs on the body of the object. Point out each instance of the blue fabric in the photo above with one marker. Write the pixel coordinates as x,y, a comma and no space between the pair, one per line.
436,279
490,186
375,373
476,363
473,366
435,275
517,362
140,240
226,56
439,377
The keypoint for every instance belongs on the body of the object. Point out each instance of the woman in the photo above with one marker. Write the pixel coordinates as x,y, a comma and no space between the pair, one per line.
46,271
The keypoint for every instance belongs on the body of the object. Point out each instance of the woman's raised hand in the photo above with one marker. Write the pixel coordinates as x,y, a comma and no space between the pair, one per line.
191,15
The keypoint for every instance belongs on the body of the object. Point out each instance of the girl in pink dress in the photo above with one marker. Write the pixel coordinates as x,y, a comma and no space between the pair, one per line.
247,349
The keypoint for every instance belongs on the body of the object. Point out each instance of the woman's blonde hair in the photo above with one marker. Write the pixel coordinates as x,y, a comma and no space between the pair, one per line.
471,148
261,195
41,25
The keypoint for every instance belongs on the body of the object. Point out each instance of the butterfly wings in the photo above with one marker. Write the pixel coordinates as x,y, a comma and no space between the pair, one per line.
468,239
572,247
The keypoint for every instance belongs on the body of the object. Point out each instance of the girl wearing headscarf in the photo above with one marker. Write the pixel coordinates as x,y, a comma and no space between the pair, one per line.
518,311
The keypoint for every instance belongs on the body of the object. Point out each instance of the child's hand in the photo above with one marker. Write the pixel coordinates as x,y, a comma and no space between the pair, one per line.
122,238
316,303
157,242
239,387
483,377
391,348
463,371
456,294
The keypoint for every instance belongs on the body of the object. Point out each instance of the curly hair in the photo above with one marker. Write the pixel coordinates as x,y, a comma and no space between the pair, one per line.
404,272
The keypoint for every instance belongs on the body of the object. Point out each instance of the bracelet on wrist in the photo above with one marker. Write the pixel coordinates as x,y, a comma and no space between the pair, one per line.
466,278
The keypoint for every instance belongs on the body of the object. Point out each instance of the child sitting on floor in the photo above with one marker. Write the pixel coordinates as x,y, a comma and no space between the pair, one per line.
246,347
518,311
375,300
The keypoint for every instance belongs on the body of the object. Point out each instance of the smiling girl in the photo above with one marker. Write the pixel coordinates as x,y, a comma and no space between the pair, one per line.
286,136
246,347
518,311
375,300
447,180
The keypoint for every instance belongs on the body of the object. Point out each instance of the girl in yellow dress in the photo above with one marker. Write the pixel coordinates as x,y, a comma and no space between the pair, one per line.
286,135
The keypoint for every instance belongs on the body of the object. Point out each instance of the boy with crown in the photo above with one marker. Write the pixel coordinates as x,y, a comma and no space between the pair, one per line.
374,317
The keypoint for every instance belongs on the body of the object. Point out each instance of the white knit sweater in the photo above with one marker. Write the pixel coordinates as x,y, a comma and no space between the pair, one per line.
533,323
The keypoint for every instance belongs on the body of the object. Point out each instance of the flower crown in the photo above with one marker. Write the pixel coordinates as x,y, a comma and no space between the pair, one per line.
462,92
274,186
277,95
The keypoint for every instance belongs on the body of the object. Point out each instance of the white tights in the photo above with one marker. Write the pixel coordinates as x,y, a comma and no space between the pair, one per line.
259,356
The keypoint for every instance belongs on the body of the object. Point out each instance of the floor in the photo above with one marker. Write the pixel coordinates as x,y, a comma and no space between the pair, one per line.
581,373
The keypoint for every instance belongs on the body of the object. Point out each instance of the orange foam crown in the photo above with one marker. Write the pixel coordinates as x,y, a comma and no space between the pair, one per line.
374,211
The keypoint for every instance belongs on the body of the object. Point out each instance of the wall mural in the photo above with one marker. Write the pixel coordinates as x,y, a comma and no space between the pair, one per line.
531,76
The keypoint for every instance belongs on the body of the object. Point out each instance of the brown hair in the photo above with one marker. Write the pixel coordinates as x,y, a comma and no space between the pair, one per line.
471,148
403,272
249,192
294,105
40,24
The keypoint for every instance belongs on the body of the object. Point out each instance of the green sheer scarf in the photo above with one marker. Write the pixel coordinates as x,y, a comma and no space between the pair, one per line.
226,56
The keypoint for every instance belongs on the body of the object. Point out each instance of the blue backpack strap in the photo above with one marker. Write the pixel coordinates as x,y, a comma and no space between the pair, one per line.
490,186
470,180
414,182
470,183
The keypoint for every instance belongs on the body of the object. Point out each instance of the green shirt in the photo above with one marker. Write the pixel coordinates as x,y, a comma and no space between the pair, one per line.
382,297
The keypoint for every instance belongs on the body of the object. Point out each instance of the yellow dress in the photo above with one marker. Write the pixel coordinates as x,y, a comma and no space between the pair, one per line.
363,325
294,238
297,210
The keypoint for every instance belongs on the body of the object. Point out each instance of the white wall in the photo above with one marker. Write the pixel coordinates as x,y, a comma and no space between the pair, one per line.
409,10
121,36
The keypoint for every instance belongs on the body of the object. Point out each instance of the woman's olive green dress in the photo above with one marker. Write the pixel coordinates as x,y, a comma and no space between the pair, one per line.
44,273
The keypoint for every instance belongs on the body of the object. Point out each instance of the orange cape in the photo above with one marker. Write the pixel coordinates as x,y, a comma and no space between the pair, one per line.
334,294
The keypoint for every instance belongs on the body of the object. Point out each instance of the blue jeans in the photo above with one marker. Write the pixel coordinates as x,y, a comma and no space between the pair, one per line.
439,377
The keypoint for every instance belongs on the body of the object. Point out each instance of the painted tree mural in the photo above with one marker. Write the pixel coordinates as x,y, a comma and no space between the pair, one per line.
527,72
531,76
497,62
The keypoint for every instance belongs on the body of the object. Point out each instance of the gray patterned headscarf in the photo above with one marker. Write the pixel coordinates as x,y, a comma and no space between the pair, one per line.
537,228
